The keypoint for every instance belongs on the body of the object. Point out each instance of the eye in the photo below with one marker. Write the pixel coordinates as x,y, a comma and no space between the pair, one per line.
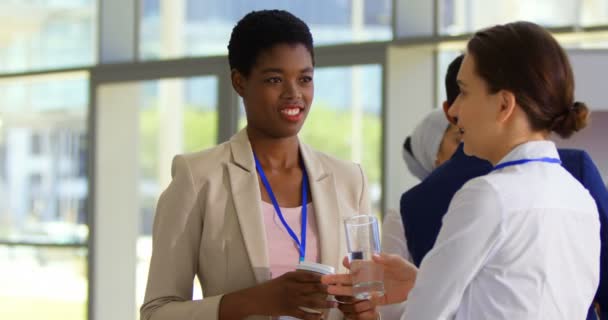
273,80
306,79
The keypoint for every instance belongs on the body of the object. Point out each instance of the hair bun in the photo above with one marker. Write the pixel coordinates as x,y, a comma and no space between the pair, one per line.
571,121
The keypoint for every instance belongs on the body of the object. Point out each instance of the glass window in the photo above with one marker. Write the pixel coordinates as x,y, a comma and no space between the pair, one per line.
176,116
174,28
42,195
43,34
345,120
463,16
43,283
42,125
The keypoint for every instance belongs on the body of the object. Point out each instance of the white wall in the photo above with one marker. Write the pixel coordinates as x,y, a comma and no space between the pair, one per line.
410,96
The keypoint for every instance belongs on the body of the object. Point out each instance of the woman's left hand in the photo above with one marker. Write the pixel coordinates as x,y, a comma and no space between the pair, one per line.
357,309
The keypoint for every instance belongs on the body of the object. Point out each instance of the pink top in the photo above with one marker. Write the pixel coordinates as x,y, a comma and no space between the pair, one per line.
284,254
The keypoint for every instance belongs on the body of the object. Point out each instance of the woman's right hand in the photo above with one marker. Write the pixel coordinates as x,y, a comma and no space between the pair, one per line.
399,279
282,296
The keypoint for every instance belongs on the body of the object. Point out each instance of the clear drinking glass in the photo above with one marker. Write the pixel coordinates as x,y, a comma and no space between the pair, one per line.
363,241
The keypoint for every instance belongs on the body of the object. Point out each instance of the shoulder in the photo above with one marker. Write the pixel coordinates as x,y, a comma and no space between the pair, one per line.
487,184
219,152
202,163
448,178
477,204
481,193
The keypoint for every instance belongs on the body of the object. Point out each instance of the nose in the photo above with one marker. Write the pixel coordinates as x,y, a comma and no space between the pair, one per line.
292,90
453,111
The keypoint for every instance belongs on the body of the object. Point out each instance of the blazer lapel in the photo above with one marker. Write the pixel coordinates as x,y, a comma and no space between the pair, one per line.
246,196
325,203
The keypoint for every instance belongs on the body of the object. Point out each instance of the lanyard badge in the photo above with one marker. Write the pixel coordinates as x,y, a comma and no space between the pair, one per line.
522,161
301,243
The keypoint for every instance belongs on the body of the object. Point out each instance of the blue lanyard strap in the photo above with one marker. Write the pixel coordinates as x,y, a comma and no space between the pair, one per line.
522,161
302,244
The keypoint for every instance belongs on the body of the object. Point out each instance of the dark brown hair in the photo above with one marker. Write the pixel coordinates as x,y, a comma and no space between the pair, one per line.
451,85
525,59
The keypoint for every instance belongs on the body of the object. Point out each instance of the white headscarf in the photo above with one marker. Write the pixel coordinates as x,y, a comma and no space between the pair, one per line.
424,142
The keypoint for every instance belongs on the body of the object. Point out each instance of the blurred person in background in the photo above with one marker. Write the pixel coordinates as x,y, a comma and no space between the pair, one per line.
433,142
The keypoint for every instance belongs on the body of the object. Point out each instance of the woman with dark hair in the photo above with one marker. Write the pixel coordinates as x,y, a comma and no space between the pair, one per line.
241,216
522,242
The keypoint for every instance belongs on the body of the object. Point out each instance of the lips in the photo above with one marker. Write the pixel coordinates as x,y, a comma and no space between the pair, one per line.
292,113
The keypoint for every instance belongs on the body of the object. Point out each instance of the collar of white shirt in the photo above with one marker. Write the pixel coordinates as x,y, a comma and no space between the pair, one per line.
532,150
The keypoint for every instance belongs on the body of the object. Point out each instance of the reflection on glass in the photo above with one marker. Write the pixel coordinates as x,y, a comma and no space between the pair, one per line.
43,159
42,34
345,120
173,28
462,16
176,116
43,283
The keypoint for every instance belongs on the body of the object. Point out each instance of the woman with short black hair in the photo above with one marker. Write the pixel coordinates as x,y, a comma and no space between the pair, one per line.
243,214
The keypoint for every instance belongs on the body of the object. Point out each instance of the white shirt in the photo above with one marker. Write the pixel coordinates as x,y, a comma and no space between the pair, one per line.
393,235
522,243
393,242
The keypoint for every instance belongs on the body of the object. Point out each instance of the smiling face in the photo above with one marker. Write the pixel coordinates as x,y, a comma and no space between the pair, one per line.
278,91
477,111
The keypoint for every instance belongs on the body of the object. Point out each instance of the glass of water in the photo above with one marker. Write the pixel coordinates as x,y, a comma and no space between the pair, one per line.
363,241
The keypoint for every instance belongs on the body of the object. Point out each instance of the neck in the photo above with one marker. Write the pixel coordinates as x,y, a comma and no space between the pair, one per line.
274,153
511,144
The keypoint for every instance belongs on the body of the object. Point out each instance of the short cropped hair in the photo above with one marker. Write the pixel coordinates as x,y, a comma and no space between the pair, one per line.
261,30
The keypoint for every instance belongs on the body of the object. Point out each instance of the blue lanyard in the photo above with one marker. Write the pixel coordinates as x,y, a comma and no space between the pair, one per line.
302,244
522,161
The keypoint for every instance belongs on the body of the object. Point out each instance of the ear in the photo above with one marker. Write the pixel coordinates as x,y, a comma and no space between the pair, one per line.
238,81
446,108
507,102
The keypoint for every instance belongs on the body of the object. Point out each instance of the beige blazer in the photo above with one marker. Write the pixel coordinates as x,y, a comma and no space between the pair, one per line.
209,223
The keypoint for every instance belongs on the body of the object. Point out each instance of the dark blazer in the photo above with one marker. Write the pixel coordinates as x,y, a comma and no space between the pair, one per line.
423,206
